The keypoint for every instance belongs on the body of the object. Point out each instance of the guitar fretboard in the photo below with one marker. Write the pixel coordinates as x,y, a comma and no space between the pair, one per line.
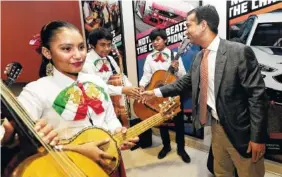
139,128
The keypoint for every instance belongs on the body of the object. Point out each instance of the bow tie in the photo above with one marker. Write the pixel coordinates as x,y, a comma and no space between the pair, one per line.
104,68
159,56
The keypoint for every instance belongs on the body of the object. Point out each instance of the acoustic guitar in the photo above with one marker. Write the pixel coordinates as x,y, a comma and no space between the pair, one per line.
49,161
159,78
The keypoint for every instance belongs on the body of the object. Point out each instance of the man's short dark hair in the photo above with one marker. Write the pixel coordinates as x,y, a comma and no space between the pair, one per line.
98,34
207,13
158,32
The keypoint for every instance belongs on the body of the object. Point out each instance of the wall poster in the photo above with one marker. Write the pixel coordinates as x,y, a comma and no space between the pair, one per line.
171,16
106,14
258,24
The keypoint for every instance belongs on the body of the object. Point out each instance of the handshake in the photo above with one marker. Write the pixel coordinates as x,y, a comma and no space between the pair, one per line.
138,93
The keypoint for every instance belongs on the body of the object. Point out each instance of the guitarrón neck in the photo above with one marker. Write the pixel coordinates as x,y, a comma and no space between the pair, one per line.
176,56
21,118
139,128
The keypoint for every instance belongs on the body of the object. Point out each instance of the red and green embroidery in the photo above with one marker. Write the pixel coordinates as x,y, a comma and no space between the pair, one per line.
72,103
102,65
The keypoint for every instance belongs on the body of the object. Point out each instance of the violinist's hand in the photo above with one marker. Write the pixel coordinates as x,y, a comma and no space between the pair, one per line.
129,143
147,95
46,132
92,150
132,92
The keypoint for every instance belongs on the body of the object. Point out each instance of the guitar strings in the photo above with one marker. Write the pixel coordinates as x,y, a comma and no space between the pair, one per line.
141,127
26,120
154,120
55,154
132,132
30,124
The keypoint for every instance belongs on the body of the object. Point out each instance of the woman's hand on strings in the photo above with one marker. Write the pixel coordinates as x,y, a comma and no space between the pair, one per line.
128,143
46,132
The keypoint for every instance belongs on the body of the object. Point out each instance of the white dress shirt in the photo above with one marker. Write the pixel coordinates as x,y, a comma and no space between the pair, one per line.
40,99
151,66
213,47
93,64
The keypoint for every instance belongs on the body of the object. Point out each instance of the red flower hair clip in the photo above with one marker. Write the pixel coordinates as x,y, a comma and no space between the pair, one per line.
36,43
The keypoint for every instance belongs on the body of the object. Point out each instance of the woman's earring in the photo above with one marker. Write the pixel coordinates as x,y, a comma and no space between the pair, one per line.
49,69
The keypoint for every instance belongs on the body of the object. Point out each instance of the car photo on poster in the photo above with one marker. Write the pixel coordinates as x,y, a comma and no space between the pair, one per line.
263,33
162,14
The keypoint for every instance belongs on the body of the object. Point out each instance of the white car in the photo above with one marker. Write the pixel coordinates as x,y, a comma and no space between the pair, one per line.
263,33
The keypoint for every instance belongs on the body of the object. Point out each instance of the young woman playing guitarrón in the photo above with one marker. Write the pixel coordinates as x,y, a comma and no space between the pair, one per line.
68,99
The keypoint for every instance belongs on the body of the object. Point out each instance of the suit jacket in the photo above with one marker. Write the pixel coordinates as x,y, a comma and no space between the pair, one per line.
241,102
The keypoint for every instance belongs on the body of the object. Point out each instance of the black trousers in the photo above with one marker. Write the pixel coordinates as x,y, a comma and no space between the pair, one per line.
145,139
179,131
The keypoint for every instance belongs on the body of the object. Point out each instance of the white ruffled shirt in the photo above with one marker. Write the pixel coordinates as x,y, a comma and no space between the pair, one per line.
42,97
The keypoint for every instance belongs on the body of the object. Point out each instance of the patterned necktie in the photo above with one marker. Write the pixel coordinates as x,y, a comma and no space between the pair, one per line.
204,87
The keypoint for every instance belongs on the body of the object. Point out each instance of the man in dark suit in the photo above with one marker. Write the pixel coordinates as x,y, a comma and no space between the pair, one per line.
228,92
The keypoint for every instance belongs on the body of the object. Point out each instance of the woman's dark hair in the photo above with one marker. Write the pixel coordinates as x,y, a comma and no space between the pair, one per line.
47,33
158,32
98,34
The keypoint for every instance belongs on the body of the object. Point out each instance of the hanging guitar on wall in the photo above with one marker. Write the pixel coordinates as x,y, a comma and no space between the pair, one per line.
159,78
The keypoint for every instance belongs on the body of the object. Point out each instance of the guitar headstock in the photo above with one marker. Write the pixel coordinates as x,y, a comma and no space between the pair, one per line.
184,46
170,108
12,71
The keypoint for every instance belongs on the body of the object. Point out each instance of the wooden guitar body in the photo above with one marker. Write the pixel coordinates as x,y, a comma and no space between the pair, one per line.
121,103
150,108
44,163
121,110
56,162
73,164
